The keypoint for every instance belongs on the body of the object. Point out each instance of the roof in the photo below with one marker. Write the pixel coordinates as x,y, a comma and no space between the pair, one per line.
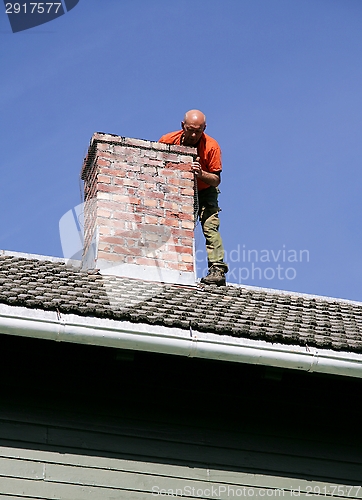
237,311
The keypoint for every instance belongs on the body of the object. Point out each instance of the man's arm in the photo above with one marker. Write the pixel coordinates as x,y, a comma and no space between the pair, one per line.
213,179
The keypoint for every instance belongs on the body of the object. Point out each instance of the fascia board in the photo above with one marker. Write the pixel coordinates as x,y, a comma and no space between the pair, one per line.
51,325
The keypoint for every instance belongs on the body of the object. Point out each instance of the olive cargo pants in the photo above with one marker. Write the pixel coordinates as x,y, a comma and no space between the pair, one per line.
209,218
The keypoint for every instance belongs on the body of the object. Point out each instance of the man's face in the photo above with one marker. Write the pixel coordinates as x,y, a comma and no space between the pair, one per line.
192,132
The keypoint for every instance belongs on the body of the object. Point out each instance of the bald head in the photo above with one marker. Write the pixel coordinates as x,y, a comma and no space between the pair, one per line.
195,116
193,126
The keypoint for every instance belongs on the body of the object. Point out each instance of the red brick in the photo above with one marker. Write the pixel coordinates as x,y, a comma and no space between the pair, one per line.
175,266
185,167
121,150
186,159
128,216
154,195
103,146
133,241
172,222
187,258
185,183
151,219
187,224
105,230
120,166
104,213
106,188
103,163
170,157
134,234
145,261
106,179
129,167
104,196
127,199
189,217
129,250
115,174
131,182
102,137
169,205
160,146
147,178
110,256
154,228
151,248
188,175
111,226
105,155
104,246
169,256
186,233
148,202
118,181
152,237
136,142
155,163
138,193
132,175
159,212
176,198
187,208
114,240
168,171
149,170
187,192
172,189
183,149
173,181
103,205
183,249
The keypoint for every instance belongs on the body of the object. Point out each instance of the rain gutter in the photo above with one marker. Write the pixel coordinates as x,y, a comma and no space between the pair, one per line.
50,325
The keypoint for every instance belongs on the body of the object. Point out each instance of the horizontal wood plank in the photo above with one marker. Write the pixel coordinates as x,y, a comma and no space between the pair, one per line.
127,476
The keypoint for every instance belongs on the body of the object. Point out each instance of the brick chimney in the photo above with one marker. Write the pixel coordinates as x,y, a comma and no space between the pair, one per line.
139,209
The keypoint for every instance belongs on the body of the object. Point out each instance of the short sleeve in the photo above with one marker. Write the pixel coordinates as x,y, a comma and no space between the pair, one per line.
214,160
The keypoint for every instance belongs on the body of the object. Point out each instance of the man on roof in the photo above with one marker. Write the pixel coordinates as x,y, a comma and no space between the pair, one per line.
207,169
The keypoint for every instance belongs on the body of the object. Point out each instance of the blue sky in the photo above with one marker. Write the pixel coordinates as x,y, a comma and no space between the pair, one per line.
280,82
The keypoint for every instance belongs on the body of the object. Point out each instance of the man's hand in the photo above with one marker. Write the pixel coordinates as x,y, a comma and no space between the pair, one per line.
196,167
207,177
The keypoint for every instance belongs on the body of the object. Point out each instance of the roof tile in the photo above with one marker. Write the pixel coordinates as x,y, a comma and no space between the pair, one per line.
236,311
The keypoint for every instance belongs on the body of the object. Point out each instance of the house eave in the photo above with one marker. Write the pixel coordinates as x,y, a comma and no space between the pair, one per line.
36,323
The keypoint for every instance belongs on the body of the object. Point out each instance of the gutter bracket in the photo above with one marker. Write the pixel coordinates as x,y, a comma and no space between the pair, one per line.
314,362
61,327
193,346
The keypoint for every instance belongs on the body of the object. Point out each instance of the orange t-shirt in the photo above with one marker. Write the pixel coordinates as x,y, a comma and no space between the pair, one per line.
208,150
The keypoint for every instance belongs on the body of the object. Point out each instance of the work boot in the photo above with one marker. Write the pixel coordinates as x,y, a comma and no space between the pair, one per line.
215,276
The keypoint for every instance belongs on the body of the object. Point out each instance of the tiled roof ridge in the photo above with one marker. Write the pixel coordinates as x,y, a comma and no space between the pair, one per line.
235,311
75,266
304,295
39,257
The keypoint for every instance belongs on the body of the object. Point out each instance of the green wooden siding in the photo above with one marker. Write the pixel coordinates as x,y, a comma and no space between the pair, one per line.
31,473
79,422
